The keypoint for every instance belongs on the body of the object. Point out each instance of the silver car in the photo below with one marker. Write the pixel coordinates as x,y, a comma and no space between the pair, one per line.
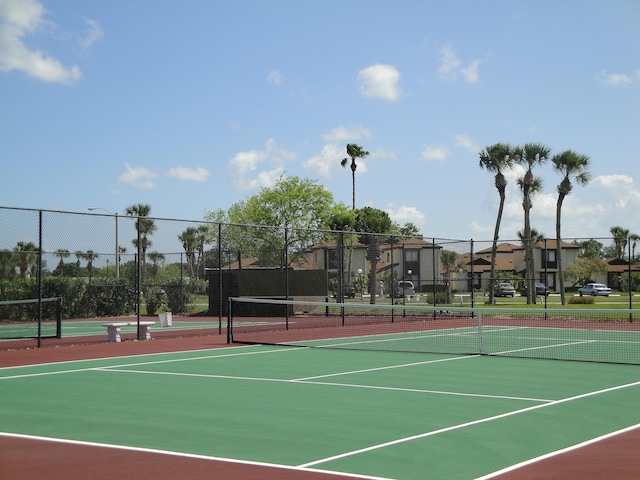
595,289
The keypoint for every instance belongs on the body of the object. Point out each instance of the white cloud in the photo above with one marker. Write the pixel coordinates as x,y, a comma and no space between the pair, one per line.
471,72
614,79
344,134
17,20
327,162
380,81
450,66
437,153
139,177
449,63
463,141
402,214
275,78
198,174
94,34
243,167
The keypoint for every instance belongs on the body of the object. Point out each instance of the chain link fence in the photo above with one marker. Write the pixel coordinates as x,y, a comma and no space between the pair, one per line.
110,268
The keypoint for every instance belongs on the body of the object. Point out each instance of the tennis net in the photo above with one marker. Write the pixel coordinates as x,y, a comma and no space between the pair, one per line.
611,336
30,318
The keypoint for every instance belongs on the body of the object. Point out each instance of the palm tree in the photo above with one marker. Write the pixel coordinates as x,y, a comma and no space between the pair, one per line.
202,234
369,222
145,227
531,155
90,257
570,165
495,159
61,253
26,254
155,258
7,264
634,237
535,237
620,236
189,239
354,151
450,264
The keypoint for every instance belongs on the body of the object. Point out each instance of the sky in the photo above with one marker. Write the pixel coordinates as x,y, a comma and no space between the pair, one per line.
193,106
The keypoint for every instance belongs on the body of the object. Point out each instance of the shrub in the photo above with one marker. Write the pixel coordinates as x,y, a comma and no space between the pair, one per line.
581,300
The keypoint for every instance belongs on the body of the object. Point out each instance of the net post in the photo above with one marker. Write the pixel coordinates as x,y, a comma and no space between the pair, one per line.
480,331
229,322
59,318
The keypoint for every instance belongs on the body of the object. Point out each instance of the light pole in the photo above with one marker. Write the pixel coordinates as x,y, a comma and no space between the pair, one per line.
117,259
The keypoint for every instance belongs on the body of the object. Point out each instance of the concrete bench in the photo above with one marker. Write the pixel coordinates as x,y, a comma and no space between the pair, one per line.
113,330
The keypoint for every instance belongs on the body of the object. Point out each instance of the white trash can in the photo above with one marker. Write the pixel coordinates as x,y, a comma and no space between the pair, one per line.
165,319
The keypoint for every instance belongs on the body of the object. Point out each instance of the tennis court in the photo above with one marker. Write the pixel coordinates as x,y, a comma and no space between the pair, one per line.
369,414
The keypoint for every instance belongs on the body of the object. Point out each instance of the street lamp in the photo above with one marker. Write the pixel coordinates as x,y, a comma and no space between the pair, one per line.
117,260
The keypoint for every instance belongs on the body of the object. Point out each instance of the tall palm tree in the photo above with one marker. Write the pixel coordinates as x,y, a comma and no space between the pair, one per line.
61,253
26,254
450,265
7,264
189,239
354,151
496,159
530,156
202,233
145,227
90,256
570,165
155,258
620,236
634,237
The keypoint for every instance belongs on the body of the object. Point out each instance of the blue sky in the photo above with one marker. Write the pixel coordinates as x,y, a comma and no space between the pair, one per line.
192,106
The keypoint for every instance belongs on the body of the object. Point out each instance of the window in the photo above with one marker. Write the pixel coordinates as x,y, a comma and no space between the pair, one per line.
549,259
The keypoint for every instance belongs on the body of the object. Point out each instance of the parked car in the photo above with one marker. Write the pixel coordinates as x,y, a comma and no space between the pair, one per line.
595,289
405,288
504,290
541,290
348,291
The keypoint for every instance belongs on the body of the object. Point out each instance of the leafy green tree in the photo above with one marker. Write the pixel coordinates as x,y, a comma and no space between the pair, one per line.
585,269
530,156
496,159
370,225
589,248
570,165
409,230
294,208
353,151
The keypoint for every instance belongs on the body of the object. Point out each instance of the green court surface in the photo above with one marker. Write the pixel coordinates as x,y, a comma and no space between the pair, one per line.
93,327
375,414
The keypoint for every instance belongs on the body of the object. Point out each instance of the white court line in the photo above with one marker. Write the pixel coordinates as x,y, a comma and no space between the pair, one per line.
464,425
389,367
329,384
186,455
154,362
557,452
99,359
